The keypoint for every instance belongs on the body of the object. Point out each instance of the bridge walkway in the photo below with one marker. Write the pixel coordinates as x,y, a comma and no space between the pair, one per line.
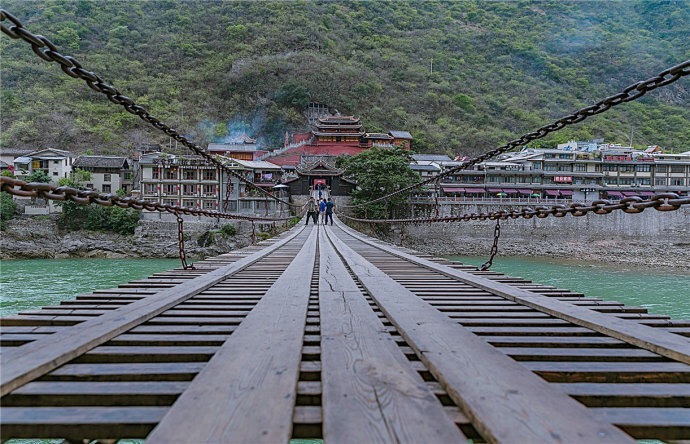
325,333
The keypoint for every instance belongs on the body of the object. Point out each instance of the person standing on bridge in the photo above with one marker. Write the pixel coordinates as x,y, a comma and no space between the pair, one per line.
311,211
322,210
329,211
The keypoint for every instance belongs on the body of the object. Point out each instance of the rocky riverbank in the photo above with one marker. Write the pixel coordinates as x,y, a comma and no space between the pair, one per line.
31,237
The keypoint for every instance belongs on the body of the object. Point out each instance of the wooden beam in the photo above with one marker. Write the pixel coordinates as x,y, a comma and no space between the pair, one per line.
247,391
505,401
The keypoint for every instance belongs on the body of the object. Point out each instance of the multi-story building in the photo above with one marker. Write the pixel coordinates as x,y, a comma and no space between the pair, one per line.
56,164
108,173
192,182
611,172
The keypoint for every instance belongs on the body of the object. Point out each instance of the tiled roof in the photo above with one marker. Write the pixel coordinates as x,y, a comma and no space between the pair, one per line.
100,162
431,157
401,134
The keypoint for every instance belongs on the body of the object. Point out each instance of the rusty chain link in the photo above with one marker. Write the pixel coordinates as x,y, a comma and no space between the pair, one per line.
180,239
631,92
633,204
494,248
47,51
21,188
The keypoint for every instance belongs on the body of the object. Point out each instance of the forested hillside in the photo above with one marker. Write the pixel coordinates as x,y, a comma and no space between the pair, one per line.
461,76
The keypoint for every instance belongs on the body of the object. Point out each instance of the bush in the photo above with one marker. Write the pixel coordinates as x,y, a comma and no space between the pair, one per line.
7,208
97,218
228,230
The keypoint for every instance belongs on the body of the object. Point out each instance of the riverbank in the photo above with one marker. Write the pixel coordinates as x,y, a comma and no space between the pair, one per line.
41,238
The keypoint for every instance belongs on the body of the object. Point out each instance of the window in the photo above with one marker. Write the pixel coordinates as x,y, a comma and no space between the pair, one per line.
643,168
209,190
564,156
536,165
608,167
106,188
660,181
644,181
149,188
550,167
190,175
626,181
662,168
188,203
169,189
106,177
209,205
564,167
209,175
246,205
169,202
170,174
189,190
128,175
580,167
677,168
677,182
232,205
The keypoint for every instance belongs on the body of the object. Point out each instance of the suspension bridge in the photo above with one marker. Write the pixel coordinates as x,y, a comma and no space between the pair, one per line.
325,333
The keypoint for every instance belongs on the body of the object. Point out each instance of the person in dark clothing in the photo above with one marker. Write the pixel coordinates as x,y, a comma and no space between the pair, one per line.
311,211
329,211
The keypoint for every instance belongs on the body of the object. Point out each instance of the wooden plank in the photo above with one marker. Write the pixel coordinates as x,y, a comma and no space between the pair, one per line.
258,363
628,395
41,356
371,393
77,423
505,401
655,340
650,423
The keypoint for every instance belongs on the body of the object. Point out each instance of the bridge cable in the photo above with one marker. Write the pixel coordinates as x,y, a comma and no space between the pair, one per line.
73,68
631,92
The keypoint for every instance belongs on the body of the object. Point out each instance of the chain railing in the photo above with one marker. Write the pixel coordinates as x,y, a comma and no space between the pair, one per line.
47,51
633,204
631,92
21,188
494,248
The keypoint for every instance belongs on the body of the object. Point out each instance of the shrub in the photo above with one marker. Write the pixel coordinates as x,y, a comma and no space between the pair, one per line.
228,230
7,208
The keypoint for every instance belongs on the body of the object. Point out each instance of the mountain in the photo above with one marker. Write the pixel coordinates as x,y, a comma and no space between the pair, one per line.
462,76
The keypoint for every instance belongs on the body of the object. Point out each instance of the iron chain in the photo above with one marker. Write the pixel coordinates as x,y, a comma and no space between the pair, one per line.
633,204
494,248
47,51
632,92
21,188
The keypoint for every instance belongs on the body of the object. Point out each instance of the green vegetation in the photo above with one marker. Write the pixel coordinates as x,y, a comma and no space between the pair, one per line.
7,208
228,230
379,171
462,76
98,218
38,176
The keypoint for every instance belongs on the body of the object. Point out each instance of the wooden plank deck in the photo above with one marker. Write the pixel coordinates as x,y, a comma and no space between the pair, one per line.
324,333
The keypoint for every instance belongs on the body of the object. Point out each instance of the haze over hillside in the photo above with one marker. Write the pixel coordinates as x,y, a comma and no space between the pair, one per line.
462,76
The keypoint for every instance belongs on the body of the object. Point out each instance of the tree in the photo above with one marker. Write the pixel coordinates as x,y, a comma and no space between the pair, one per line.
38,176
378,172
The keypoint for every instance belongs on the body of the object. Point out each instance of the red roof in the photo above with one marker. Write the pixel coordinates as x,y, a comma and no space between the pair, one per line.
293,156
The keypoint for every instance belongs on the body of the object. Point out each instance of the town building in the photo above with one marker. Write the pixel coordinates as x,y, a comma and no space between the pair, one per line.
192,182
609,172
108,173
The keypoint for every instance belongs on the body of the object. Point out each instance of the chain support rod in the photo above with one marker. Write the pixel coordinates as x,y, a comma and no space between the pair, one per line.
180,238
21,188
494,248
47,51
633,204
631,92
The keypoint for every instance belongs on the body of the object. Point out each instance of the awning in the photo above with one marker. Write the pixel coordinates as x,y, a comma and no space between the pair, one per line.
474,190
495,190
552,192
614,193
453,190
525,192
629,193
566,193
646,193
510,190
